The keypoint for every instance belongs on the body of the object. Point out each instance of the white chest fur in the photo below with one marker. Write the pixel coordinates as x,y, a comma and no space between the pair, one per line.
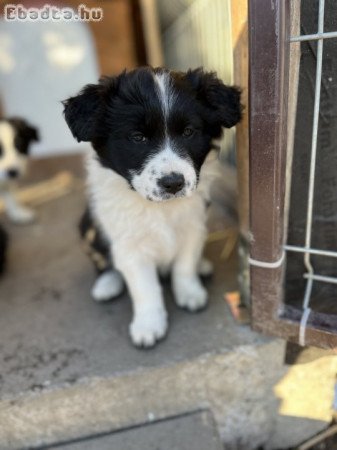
155,230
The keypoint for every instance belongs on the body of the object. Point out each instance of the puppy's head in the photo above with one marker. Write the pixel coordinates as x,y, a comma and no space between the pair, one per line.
15,137
154,127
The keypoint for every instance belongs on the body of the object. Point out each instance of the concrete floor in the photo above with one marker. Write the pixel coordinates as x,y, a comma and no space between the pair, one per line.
68,368
52,333
69,372
194,431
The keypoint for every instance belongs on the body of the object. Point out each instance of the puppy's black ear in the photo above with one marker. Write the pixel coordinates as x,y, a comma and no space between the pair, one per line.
223,102
31,133
83,112
23,128
25,134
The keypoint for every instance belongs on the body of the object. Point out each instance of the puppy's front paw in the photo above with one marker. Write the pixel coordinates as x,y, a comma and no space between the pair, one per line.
107,286
205,268
148,327
22,215
190,294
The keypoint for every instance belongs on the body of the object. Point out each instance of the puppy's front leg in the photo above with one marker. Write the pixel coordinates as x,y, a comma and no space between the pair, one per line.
187,287
17,213
149,323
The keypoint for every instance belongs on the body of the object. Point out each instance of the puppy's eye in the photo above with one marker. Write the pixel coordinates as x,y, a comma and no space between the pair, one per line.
188,132
138,137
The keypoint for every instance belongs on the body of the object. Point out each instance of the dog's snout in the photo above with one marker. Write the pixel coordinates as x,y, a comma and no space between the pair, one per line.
172,183
13,173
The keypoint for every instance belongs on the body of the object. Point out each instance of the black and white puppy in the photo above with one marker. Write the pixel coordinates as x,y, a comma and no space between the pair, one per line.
16,135
151,131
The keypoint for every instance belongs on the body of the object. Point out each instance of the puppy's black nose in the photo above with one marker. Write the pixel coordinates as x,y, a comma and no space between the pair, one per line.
172,183
12,173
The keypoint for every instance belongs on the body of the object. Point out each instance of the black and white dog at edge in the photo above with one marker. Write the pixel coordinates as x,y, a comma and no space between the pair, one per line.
151,132
16,137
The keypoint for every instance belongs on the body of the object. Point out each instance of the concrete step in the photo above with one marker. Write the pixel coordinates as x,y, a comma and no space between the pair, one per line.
194,431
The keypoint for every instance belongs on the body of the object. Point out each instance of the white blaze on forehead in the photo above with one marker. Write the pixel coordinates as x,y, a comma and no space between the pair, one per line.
159,165
6,135
164,90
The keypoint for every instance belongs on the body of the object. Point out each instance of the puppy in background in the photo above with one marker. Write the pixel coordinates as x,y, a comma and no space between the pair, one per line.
16,135
151,131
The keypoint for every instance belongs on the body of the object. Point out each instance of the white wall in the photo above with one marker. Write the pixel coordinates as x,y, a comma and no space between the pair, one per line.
41,64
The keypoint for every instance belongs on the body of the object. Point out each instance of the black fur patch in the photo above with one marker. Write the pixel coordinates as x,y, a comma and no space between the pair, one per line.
95,244
3,249
24,134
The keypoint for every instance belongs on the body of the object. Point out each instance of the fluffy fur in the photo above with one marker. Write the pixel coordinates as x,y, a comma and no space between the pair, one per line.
16,135
151,131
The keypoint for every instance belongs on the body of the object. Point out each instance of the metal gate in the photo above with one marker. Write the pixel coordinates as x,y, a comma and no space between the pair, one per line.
273,91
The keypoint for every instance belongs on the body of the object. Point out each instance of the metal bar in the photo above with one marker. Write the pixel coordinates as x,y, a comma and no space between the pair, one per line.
320,329
269,26
312,251
307,261
314,37
269,48
322,278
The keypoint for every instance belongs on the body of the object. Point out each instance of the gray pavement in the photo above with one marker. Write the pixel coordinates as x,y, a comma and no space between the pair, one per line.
51,332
